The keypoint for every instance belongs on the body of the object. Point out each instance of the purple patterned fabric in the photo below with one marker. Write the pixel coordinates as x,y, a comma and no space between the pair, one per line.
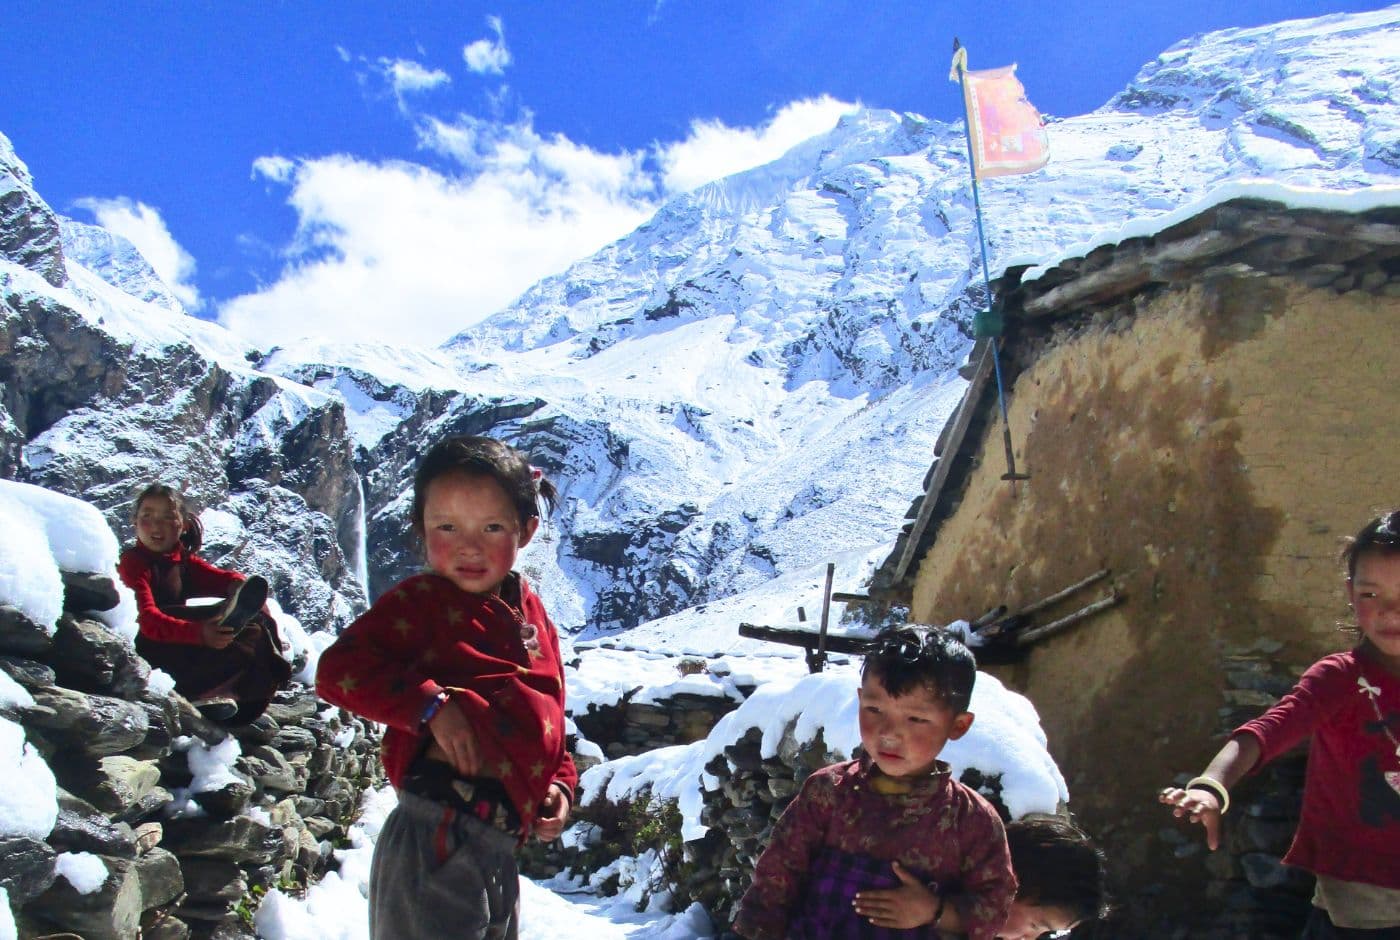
832,882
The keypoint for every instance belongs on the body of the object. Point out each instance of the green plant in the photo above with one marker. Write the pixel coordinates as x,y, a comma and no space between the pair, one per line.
247,905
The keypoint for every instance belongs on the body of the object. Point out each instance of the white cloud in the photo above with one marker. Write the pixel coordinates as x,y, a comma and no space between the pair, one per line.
397,252
142,225
277,169
488,56
714,150
405,75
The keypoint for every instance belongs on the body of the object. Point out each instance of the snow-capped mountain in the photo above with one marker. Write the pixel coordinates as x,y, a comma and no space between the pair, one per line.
748,384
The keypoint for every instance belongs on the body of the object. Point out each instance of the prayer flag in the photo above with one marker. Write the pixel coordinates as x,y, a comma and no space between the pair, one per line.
1005,130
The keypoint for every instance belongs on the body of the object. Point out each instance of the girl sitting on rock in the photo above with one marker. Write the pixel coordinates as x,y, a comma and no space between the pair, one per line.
224,657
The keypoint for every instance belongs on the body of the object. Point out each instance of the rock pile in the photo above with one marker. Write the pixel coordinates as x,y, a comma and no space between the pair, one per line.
631,727
185,855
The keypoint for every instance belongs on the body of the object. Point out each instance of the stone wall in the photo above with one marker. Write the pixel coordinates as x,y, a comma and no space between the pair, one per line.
119,754
631,727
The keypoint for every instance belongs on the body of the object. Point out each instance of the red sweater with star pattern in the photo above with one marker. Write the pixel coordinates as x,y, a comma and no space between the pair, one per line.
500,663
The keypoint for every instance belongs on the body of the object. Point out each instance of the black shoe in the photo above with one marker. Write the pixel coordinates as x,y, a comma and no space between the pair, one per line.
217,709
245,601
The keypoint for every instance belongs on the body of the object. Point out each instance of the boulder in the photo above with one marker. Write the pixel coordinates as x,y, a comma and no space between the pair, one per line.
87,655
118,785
86,590
26,868
161,878
20,636
112,912
81,827
240,839
94,725
29,673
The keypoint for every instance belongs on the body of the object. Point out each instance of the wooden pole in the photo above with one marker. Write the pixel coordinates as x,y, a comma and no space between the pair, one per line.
826,616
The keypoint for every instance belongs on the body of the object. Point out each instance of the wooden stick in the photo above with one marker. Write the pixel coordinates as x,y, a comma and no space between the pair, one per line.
796,636
1055,626
846,597
1061,595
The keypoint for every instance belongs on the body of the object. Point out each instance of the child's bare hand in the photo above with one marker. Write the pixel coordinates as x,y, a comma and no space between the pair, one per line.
909,905
215,634
454,736
554,812
1199,806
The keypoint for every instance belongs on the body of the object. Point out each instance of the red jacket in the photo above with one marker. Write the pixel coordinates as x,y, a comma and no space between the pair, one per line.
1350,824
164,580
500,664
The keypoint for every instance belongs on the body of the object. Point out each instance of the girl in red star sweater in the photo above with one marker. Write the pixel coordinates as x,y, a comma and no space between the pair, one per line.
462,665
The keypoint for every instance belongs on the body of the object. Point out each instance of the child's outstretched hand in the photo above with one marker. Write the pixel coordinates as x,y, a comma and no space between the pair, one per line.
554,812
216,635
455,738
909,905
1200,806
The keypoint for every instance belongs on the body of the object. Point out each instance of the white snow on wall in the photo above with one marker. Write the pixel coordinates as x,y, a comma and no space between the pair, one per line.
28,803
84,871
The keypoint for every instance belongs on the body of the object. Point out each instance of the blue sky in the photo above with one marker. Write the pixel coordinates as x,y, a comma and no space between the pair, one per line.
321,166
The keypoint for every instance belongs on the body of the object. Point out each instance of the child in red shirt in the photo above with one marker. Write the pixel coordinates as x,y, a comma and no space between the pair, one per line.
462,665
1349,831
225,658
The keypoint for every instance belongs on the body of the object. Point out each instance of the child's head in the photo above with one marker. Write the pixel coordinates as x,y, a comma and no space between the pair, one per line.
1372,561
915,688
1061,878
475,505
160,516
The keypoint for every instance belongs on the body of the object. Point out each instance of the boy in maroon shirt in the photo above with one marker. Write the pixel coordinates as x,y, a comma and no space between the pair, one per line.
882,845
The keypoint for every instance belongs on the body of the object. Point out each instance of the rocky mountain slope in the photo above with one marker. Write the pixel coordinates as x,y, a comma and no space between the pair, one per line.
751,381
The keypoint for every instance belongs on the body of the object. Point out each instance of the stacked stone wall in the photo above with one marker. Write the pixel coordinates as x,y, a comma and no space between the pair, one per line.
178,864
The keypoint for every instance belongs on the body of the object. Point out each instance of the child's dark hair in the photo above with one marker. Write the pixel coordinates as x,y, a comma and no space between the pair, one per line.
1058,866
915,656
192,535
1381,535
484,457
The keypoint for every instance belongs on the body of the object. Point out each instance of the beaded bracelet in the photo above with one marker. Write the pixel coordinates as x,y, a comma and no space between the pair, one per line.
434,706
1214,786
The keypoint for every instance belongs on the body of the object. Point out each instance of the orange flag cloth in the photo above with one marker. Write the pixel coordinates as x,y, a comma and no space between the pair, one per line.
1007,133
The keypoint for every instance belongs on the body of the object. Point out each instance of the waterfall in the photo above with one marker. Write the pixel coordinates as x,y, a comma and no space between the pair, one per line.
361,557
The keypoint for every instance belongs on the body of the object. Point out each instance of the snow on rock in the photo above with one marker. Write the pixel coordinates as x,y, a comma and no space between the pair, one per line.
44,532
84,871
28,801
12,694
8,931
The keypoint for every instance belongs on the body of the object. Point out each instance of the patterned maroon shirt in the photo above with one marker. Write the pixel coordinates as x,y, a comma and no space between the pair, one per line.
943,832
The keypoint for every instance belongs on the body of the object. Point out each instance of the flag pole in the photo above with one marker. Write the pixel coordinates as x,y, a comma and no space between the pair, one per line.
960,64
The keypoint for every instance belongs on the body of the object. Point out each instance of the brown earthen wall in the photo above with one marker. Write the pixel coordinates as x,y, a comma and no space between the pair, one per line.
1211,448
